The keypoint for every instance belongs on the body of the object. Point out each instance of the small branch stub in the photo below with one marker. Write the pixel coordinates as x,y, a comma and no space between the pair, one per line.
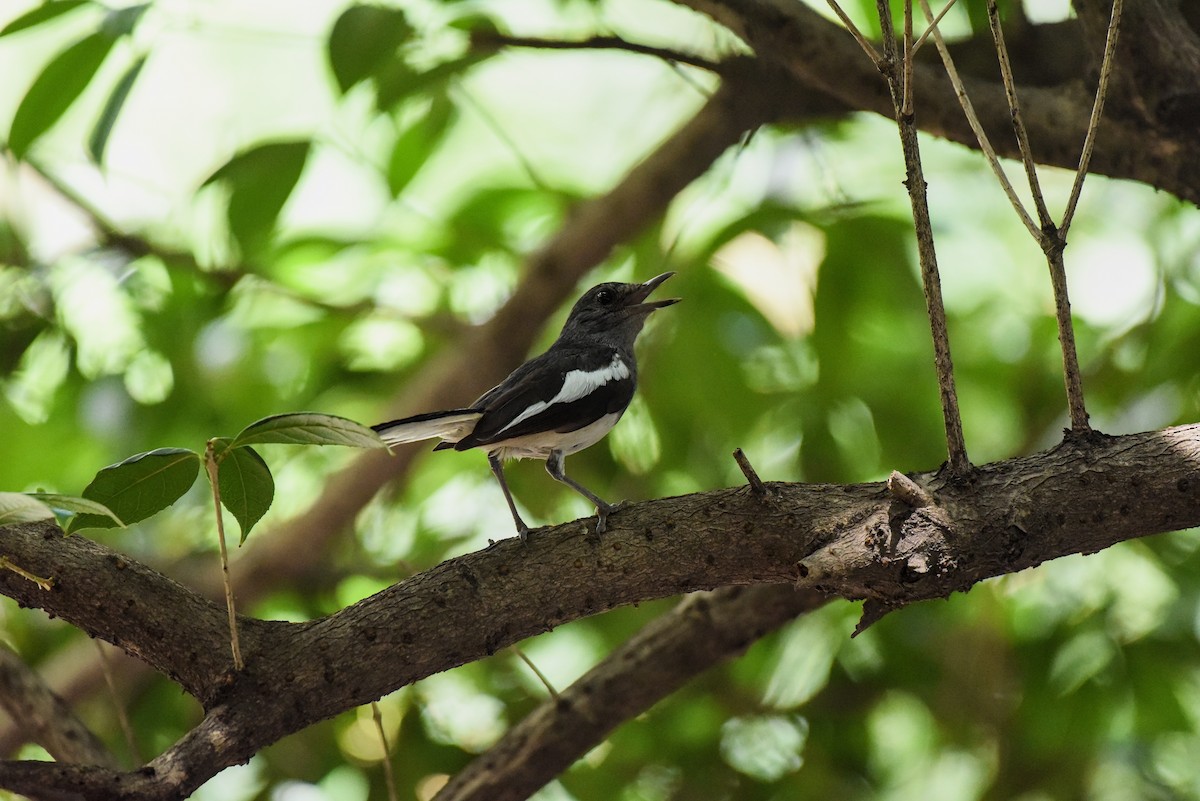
910,492
756,484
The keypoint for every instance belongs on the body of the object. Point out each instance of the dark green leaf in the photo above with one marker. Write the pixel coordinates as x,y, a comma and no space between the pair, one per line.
414,147
247,488
308,428
122,21
53,91
140,486
363,39
397,81
70,503
108,117
17,507
43,13
260,179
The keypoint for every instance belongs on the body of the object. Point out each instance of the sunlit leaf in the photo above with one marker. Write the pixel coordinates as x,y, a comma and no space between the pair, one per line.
112,108
246,485
415,145
363,38
17,507
308,428
43,13
140,486
55,89
260,180
75,505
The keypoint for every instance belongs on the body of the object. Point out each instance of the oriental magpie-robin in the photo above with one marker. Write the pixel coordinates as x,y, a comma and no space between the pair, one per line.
555,404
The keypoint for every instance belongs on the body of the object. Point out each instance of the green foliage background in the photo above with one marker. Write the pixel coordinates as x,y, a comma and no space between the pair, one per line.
214,213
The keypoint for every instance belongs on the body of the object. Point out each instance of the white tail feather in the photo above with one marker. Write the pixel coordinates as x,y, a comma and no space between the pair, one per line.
450,428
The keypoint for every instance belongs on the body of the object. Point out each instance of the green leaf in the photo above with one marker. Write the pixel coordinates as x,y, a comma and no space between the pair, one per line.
398,80
308,428
43,13
108,117
71,503
247,488
414,147
122,21
363,39
17,507
53,91
140,486
260,179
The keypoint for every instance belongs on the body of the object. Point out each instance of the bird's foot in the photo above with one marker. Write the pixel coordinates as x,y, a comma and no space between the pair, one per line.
602,513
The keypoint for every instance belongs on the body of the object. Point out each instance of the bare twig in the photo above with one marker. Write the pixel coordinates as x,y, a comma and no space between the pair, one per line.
493,39
905,489
541,676
1089,141
756,484
932,24
863,41
968,108
1014,105
930,279
46,584
388,776
906,107
122,716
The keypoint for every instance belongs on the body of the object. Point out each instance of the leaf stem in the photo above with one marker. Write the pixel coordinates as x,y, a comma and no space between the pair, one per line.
210,465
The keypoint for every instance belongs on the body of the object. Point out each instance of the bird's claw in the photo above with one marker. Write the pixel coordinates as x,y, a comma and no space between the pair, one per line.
602,513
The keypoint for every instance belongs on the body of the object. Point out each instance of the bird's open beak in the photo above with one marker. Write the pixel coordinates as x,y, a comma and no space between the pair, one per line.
637,299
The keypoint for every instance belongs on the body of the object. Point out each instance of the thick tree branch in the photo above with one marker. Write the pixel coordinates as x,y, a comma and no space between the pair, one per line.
703,630
820,55
854,541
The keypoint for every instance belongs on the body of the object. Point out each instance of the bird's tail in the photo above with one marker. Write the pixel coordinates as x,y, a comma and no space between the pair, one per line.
450,426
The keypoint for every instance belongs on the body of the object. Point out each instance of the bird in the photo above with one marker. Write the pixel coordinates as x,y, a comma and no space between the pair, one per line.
555,404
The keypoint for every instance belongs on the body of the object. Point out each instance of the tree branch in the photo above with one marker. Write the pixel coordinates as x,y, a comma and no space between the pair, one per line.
857,542
45,718
820,55
703,630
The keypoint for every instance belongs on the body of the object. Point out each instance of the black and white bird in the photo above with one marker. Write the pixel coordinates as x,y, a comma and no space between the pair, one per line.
555,404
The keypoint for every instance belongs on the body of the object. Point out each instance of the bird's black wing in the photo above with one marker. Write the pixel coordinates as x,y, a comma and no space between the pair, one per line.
562,390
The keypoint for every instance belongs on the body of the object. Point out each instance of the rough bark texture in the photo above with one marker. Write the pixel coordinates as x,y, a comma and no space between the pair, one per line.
852,541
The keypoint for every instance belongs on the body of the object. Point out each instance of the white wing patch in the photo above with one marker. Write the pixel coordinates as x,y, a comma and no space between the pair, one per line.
577,384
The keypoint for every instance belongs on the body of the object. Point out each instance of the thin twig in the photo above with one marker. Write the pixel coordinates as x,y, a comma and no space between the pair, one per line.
906,107
1089,141
389,777
863,42
932,24
46,584
981,136
541,676
1014,105
956,446
210,465
756,484
492,39
122,716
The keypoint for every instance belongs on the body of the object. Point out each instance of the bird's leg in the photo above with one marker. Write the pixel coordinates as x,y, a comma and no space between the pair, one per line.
498,471
554,466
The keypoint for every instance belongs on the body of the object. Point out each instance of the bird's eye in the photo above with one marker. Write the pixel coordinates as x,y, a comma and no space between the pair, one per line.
606,296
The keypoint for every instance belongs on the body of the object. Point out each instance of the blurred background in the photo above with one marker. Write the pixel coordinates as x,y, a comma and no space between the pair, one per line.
215,211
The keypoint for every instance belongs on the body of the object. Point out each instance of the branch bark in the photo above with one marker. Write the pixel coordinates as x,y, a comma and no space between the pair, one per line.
853,541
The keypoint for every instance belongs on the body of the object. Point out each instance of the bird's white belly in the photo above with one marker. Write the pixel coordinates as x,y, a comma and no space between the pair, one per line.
539,446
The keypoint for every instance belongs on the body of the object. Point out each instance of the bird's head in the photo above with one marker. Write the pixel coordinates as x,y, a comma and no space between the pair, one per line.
614,312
